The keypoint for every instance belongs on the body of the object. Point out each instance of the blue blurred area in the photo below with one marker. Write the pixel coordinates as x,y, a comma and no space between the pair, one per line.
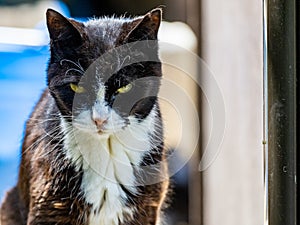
22,79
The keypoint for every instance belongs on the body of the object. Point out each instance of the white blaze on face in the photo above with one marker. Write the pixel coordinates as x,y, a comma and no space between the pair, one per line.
100,110
113,122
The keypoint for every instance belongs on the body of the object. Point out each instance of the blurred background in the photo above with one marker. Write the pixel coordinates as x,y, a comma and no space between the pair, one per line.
226,35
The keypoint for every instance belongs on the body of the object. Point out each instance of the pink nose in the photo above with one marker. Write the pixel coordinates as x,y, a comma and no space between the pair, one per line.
99,123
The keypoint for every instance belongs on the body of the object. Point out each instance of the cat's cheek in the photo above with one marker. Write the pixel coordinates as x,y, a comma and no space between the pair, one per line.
143,107
83,116
82,102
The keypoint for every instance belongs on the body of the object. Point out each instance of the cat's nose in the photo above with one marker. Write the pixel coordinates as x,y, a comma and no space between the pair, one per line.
99,123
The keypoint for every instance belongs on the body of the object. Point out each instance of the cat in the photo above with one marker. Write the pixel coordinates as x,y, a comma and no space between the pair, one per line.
93,149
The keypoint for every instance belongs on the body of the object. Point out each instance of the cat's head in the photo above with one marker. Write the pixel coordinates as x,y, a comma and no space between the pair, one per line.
104,73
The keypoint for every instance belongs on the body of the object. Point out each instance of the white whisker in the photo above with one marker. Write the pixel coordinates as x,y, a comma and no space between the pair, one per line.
74,63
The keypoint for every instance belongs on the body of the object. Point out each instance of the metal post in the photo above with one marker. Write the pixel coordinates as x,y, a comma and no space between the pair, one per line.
281,110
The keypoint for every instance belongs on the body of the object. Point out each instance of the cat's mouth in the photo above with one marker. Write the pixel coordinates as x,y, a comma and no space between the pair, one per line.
100,125
110,125
101,132
107,131
92,130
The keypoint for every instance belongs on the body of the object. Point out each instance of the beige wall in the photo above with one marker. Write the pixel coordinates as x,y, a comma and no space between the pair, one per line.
231,42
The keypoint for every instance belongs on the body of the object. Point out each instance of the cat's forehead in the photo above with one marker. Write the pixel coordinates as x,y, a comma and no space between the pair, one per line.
107,32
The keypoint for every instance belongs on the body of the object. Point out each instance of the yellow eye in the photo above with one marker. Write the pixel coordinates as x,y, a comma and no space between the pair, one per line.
77,89
125,89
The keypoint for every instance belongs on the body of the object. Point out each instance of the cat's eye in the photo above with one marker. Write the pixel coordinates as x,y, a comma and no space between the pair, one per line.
124,89
77,88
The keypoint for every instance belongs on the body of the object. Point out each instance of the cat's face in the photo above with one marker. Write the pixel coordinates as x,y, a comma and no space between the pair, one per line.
102,79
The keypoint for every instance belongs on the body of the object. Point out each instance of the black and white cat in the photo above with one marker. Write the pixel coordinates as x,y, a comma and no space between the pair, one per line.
95,137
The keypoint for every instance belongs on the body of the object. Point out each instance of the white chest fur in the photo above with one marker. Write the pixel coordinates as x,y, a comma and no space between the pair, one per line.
107,162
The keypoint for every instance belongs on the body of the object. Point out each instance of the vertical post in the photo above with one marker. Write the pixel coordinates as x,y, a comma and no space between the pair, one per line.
281,111
193,15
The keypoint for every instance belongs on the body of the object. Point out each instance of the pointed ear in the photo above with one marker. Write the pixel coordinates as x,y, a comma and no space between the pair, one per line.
147,27
60,27
64,33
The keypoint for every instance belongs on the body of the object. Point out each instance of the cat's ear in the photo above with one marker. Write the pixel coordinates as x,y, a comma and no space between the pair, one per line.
147,27
60,27
64,33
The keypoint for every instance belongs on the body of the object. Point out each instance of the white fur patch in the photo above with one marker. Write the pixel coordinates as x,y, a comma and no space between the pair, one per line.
106,161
